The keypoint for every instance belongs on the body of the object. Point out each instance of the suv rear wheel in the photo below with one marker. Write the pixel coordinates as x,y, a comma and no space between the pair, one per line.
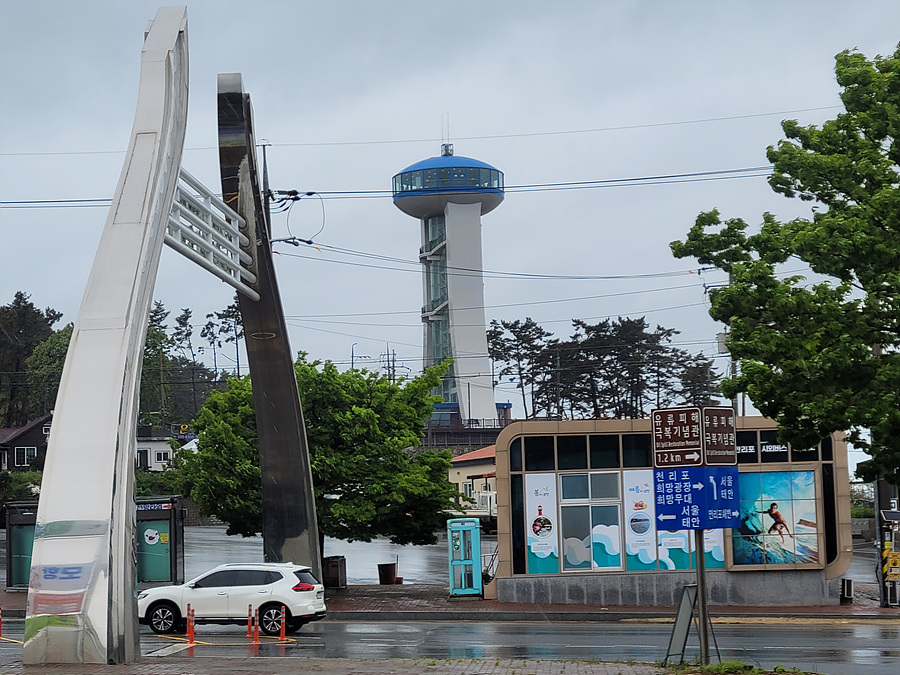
163,618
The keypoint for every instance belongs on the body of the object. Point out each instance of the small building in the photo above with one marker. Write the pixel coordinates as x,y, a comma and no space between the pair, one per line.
576,520
153,452
21,447
475,476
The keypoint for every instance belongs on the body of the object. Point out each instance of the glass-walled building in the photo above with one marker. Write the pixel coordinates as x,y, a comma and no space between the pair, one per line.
577,521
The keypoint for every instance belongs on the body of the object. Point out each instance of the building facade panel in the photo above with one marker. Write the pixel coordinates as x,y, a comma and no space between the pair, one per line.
576,511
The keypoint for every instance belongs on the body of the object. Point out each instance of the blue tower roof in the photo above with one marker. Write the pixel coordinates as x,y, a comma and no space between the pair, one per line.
424,188
448,161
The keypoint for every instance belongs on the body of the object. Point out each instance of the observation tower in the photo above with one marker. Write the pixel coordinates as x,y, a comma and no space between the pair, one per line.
449,194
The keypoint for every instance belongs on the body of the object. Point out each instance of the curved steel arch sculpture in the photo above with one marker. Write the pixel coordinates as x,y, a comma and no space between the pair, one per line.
81,600
290,532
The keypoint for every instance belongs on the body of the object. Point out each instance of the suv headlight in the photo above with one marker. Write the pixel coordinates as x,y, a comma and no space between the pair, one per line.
142,595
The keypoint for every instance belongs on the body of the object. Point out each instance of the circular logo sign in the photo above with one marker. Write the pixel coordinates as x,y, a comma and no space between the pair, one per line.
542,527
640,523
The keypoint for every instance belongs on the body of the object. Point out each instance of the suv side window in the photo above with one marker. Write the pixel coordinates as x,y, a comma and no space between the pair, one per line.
251,578
272,577
216,579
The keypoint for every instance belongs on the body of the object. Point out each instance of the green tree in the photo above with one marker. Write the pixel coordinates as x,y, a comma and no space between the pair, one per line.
697,381
22,327
824,355
361,428
19,485
520,349
182,337
223,476
156,483
231,327
156,369
44,370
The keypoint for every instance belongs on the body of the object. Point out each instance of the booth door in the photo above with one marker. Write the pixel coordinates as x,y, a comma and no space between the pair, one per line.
154,551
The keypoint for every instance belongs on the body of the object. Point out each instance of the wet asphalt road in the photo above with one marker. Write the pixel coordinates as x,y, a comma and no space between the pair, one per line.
829,647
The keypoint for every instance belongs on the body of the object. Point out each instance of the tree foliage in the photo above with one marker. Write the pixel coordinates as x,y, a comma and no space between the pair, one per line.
520,348
223,476
19,485
618,368
823,355
44,370
360,427
22,328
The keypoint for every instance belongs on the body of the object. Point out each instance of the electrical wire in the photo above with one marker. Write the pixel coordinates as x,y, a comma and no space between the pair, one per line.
534,134
662,179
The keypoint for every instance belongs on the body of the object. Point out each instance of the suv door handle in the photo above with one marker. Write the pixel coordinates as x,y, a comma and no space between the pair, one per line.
222,593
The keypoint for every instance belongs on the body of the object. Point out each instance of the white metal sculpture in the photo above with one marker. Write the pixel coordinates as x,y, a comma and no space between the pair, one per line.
206,230
81,600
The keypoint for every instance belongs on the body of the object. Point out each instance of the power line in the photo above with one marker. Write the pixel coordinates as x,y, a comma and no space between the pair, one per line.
662,179
534,134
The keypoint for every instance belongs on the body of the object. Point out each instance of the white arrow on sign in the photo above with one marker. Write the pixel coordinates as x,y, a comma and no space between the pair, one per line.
668,516
697,486
693,456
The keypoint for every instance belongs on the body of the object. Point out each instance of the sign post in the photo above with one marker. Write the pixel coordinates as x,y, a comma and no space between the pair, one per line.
696,483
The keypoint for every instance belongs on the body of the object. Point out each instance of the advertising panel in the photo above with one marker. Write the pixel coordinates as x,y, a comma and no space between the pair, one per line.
541,528
606,547
778,519
674,549
713,547
640,533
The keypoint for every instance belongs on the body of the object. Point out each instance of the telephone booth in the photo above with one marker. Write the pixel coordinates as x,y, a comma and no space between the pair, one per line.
464,539
159,541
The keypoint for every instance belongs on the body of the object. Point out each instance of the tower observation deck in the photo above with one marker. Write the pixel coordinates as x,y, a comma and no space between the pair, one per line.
449,194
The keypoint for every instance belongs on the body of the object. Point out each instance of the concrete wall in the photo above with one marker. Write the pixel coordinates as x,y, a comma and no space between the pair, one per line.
762,589
864,528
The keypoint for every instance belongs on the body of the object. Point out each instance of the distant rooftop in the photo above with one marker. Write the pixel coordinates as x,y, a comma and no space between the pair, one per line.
490,452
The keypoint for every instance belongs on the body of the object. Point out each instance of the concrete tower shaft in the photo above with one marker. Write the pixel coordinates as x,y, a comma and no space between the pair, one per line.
449,194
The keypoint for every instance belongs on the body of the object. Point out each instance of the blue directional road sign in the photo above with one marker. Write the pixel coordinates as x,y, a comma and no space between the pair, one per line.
697,498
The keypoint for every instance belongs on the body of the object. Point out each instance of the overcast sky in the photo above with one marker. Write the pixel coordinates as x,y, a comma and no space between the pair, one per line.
350,93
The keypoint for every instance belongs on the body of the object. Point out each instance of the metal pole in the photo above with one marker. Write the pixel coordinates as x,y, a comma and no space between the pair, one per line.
702,606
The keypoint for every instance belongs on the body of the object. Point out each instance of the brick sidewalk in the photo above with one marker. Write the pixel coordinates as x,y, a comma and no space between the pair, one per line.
267,666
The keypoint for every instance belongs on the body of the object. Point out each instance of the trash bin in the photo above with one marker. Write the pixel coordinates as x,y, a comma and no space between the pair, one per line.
334,571
387,574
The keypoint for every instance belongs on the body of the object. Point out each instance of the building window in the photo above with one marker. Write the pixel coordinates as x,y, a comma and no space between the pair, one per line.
25,455
590,521
143,458
467,488
162,456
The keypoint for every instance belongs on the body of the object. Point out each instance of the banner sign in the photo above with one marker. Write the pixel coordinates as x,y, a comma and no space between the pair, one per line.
541,526
697,498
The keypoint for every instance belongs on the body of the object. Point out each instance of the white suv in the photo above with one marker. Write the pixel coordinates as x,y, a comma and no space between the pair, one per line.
227,593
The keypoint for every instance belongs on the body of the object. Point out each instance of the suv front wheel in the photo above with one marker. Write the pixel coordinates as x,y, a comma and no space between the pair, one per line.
163,618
